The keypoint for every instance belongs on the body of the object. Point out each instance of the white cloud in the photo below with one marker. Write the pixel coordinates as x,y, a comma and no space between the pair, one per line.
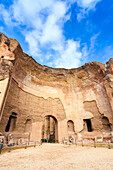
87,3
51,31
46,21
5,15
27,11
92,48
86,6
93,41
70,55
30,37
43,22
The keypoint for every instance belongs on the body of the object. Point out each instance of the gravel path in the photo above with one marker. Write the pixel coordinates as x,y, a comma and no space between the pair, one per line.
58,157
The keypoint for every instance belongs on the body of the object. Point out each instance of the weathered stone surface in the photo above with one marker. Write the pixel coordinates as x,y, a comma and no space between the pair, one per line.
33,91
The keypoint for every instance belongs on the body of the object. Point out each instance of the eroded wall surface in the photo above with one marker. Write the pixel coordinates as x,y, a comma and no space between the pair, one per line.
3,88
36,91
7,59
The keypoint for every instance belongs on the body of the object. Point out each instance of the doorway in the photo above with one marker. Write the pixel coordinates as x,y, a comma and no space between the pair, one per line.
50,129
88,125
11,123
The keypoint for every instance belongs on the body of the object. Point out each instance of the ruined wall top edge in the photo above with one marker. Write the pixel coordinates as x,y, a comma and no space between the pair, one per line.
11,53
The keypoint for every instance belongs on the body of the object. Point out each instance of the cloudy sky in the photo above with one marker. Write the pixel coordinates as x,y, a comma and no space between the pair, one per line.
60,33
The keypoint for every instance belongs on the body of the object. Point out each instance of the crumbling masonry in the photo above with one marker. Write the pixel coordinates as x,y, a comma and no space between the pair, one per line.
39,102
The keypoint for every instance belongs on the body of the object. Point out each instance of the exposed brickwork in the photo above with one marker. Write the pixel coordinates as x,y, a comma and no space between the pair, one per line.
33,91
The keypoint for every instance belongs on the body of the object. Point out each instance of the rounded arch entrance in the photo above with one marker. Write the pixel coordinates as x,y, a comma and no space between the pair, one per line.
50,128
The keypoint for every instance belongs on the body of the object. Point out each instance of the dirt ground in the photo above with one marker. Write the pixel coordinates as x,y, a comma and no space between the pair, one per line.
58,157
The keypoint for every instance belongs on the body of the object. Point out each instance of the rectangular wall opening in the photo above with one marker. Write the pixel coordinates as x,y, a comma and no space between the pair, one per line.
88,124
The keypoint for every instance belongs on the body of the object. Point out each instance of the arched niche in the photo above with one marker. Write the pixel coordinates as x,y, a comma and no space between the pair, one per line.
28,125
106,124
70,126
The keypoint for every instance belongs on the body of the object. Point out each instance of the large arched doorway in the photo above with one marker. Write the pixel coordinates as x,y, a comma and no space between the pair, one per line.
50,129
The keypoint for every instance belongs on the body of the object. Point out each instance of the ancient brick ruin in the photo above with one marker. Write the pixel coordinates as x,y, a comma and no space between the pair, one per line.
39,102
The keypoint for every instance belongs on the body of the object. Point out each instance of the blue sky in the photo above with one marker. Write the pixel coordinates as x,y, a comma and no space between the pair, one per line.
60,33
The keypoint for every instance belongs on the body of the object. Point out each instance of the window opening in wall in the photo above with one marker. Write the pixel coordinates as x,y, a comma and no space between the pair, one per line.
89,125
11,123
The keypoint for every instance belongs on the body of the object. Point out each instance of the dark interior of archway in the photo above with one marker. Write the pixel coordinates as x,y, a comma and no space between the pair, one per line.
49,129
89,125
106,124
11,122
